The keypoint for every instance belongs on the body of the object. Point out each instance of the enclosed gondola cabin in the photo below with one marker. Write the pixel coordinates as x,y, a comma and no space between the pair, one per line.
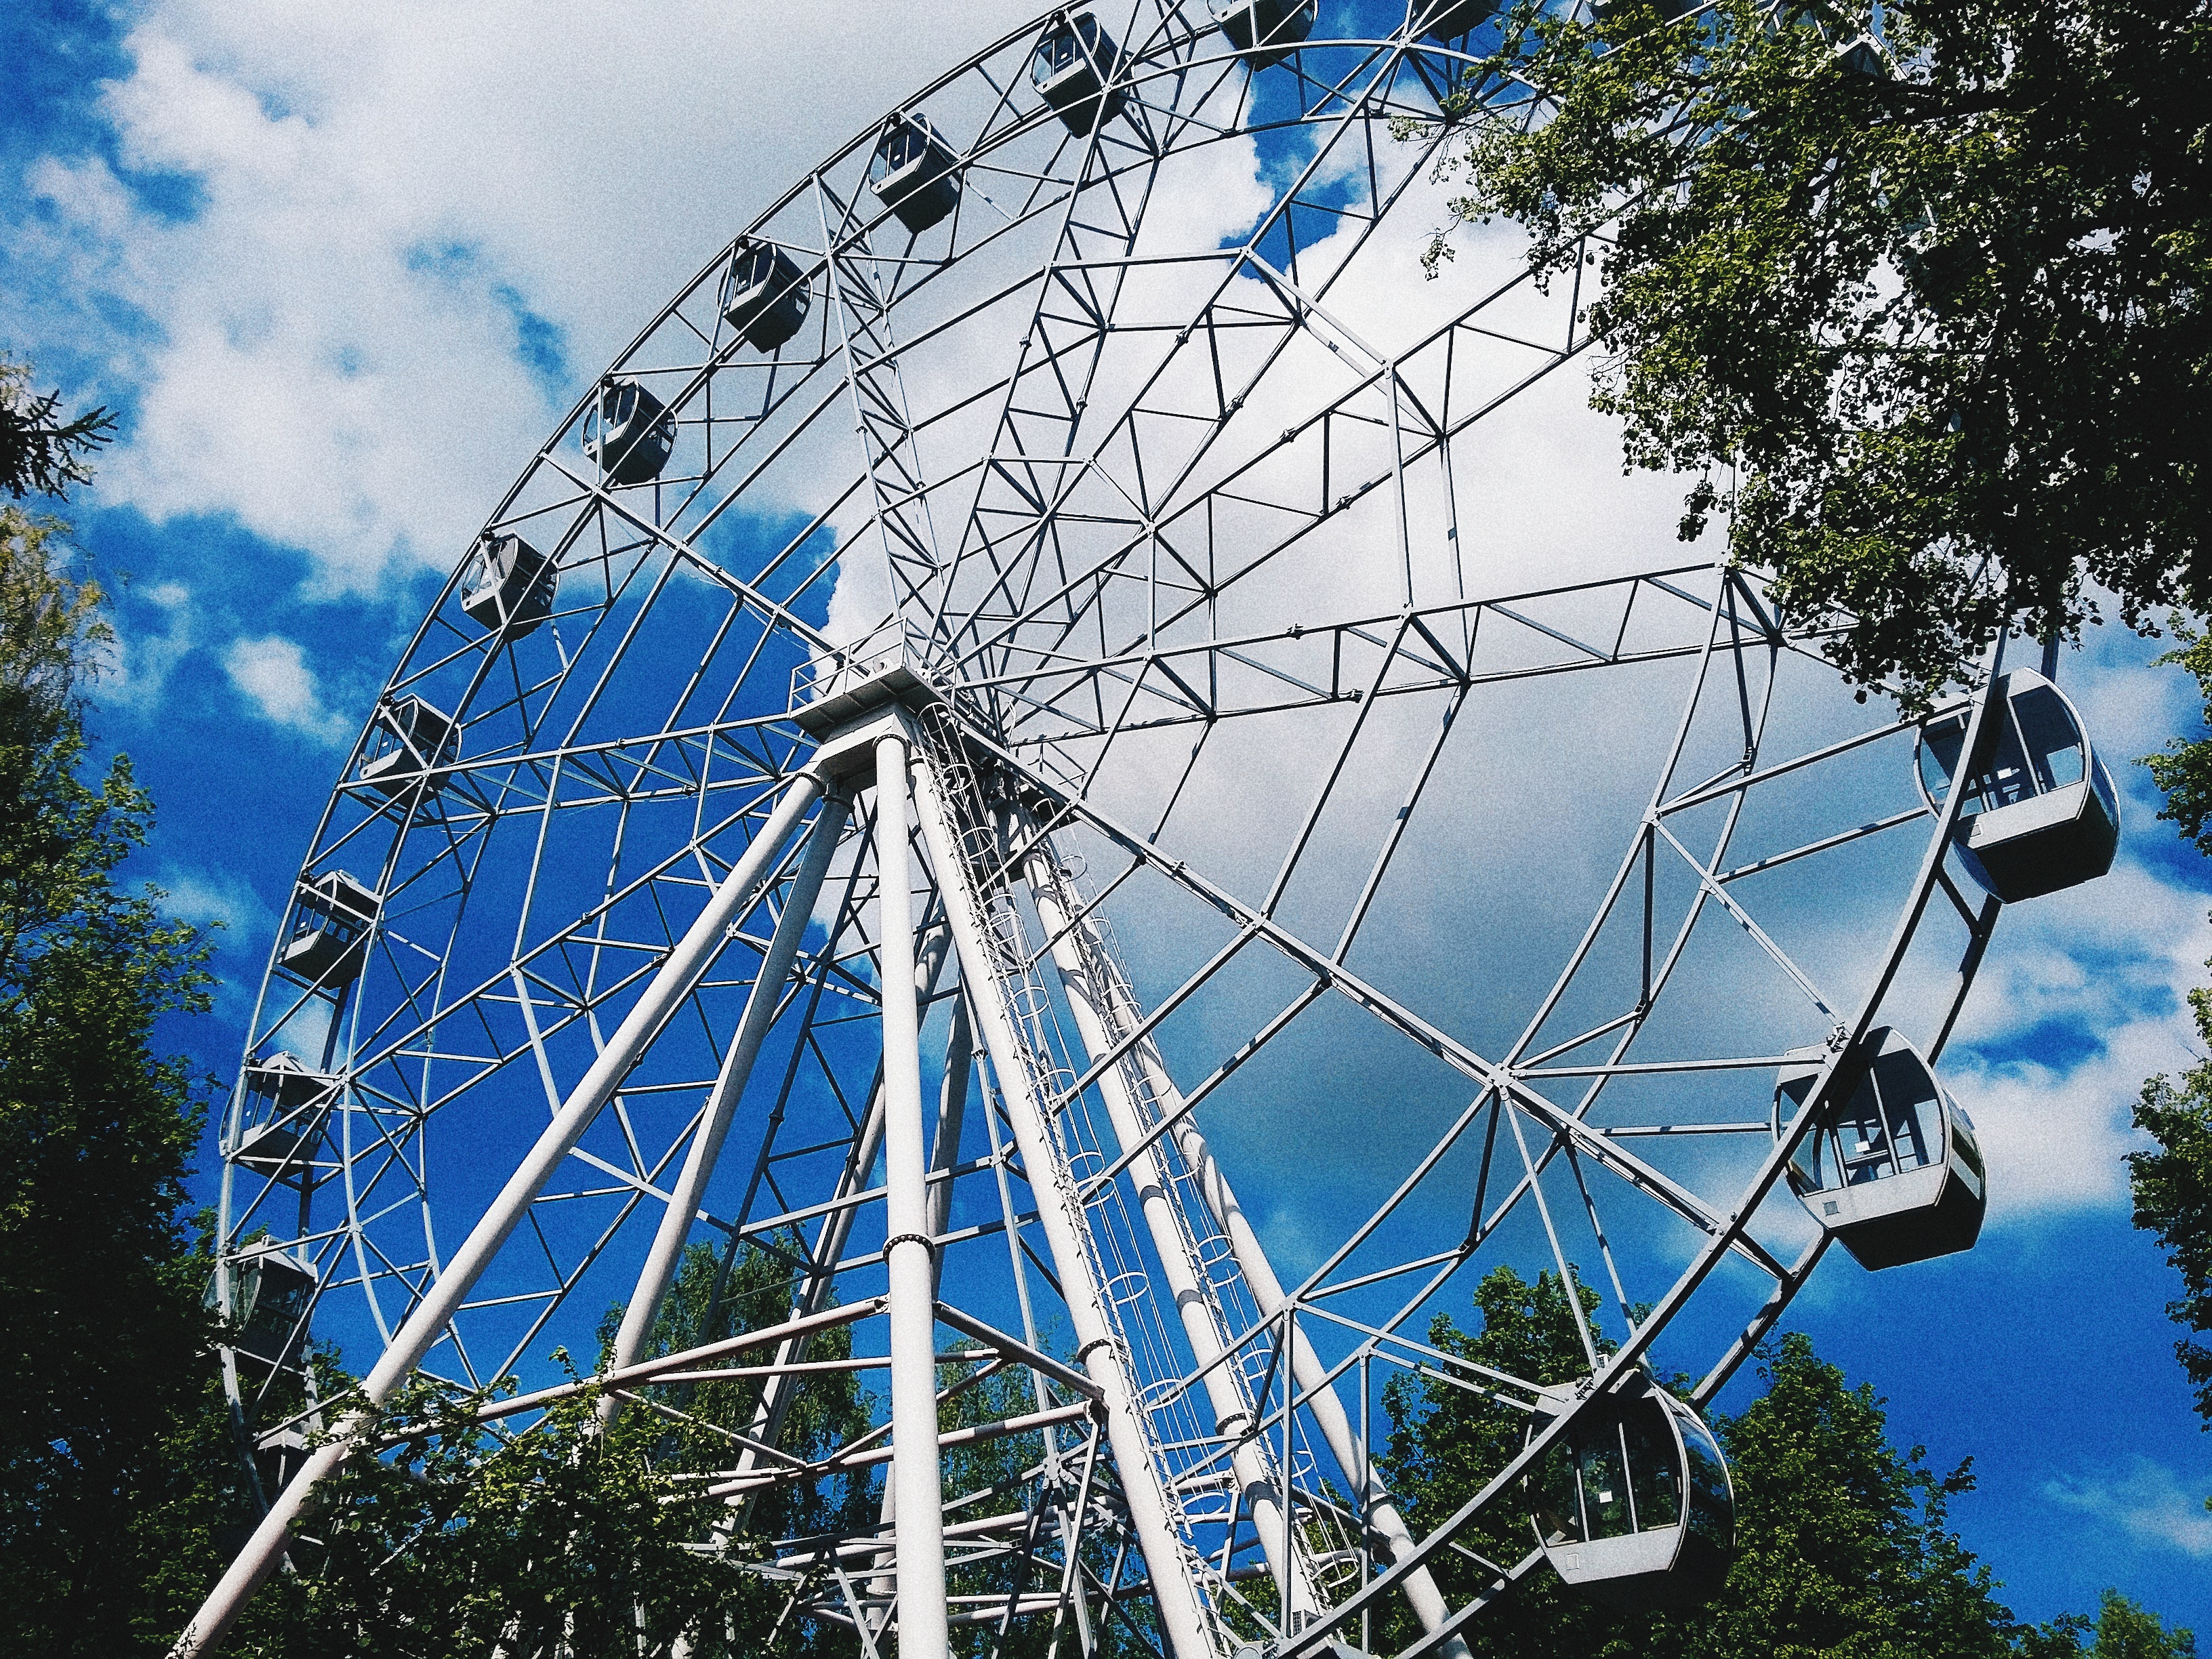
331,917
914,172
1861,59
1448,20
1893,1172
282,1130
629,433
1264,31
763,296
412,740
509,586
1072,69
2040,812
1633,1506
271,1295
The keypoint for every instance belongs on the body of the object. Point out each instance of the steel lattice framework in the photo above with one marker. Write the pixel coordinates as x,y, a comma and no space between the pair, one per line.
1076,682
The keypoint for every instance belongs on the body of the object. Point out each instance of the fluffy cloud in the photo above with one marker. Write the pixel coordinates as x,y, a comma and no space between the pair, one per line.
415,228
272,674
150,641
2149,1503
196,896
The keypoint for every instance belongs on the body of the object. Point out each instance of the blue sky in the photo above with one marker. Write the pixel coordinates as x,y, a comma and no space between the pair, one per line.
339,272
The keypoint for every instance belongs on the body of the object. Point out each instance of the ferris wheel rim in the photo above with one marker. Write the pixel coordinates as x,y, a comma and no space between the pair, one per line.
1010,754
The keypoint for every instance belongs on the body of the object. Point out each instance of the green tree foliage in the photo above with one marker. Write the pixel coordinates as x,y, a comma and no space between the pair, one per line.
717,1296
2173,1181
1449,1436
2121,1630
41,453
1842,1538
1901,328
112,1471
2172,1184
459,1540
563,1538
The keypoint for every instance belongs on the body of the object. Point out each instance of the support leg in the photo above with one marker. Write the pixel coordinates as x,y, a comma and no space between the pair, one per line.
690,1189
910,1252
1183,1617
680,970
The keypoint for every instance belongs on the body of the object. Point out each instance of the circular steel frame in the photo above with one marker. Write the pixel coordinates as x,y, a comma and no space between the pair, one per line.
1101,476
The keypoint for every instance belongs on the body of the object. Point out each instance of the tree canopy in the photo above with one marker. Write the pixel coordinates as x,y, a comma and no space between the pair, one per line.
1844,1541
2173,1186
1924,322
40,452
113,1465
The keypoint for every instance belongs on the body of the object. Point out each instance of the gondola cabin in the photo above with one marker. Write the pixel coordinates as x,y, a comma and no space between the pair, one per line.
764,297
1861,59
1072,68
410,742
1893,1172
1265,32
1633,1507
332,916
914,172
271,1295
509,586
2040,812
629,433
1448,20
282,1132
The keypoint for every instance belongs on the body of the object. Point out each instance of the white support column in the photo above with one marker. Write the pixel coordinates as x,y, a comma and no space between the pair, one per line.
1258,1482
910,1250
944,1153
767,1424
691,1188
1391,1533
1060,1214
679,972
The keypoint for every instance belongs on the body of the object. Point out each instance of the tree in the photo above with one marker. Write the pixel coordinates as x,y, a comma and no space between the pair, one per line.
1843,1546
1926,322
2173,1182
113,1470
718,1295
2173,1185
41,454
466,1539
2121,1630
1449,1436
1843,1541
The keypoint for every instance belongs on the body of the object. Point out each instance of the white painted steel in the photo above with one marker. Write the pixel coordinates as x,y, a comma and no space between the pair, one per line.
738,892
1060,1213
1260,1483
910,1252
666,1252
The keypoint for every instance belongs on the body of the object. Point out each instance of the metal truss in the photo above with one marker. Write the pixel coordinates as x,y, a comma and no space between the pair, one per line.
1061,727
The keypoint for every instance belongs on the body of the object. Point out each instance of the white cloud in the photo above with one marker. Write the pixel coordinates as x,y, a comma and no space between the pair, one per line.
197,897
2149,1503
148,646
2098,974
419,228
272,674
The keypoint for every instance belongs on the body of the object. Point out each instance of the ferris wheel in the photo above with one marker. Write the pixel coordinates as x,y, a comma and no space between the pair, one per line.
1044,746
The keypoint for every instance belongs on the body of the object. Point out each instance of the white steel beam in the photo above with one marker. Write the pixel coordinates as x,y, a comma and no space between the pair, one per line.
910,1249
1260,1482
1110,1007
680,971
1060,1214
691,1188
